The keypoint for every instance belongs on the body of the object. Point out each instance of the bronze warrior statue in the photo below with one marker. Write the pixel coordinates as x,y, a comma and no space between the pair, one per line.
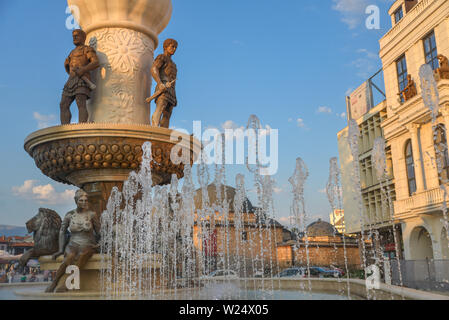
164,72
84,226
79,63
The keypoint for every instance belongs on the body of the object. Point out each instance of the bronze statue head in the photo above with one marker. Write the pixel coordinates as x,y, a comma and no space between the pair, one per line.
82,200
79,37
170,46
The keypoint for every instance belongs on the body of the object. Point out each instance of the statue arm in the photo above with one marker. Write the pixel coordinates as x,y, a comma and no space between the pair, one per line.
157,65
93,64
67,65
96,224
64,226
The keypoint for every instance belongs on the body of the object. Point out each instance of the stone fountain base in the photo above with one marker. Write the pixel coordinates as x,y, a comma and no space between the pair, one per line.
99,156
90,275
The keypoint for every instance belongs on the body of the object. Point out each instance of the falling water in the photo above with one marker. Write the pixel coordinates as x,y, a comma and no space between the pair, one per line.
431,98
353,141
156,243
379,161
334,195
298,211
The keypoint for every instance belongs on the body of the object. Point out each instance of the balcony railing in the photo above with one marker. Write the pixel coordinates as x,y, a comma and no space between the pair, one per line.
408,18
423,201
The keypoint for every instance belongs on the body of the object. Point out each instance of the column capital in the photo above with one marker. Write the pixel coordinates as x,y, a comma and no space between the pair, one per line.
413,127
445,110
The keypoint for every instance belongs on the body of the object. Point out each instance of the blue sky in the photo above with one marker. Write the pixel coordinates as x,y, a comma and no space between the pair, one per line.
290,62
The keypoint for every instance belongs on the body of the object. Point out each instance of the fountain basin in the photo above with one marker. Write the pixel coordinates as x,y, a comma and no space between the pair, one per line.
99,156
251,289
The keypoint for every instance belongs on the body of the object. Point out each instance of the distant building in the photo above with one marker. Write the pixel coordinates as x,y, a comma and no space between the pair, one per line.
4,243
324,246
337,219
16,245
245,244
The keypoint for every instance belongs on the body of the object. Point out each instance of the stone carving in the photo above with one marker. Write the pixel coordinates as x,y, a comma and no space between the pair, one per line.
59,159
84,227
45,226
410,90
79,63
164,72
443,70
125,57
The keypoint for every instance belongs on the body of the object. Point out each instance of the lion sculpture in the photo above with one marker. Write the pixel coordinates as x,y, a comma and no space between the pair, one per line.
45,225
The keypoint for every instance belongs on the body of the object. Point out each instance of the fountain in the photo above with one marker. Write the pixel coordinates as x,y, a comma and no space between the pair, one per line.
159,240
100,155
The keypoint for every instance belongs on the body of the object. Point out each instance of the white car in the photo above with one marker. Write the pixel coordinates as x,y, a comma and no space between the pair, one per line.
221,275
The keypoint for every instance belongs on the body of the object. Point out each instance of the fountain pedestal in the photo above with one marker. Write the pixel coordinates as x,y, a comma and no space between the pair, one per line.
98,156
89,275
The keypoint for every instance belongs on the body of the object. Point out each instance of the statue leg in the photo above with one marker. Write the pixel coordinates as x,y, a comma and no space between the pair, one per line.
160,106
85,255
61,271
81,101
166,115
66,115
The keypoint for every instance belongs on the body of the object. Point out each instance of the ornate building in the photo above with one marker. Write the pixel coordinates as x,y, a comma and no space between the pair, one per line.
419,35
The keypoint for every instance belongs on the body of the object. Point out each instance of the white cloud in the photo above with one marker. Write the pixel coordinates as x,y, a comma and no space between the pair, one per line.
366,64
44,121
324,110
342,115
231,125
43,194
322,191
352,11
369,54
277,190
286,220
300,123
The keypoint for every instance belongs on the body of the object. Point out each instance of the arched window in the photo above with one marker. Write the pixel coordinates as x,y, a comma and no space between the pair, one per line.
410,167
440,141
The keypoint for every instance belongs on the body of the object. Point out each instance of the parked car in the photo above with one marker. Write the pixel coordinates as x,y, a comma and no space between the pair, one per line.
221,275
342,272
295,272
323,272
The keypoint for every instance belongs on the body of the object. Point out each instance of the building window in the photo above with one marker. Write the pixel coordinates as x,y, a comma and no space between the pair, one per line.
442,156
398,15
410,168
430,51
245,236
401,68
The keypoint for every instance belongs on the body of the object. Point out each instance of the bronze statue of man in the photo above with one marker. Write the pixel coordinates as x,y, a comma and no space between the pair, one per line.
84,227
164,72
79,63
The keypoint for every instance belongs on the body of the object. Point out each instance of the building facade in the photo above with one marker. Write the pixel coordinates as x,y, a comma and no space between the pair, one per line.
419,34
416,171
372,211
